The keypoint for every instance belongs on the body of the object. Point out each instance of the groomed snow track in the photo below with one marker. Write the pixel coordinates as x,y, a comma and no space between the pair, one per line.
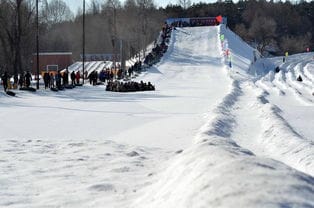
246,155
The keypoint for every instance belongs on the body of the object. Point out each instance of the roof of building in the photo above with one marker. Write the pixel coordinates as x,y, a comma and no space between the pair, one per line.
53,53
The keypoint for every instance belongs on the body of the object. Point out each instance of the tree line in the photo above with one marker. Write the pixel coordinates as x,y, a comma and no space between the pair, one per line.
270,26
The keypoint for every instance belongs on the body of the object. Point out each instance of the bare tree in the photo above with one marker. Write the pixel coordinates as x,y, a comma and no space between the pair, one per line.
145,7
263,31
185,4
15,21
242,31
56,11
296,44
110,8
94,7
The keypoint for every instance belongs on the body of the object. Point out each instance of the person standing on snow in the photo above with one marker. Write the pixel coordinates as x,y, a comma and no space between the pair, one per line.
28,78
230,58
5,78
22,80
46,79
73,77
78,76
52,80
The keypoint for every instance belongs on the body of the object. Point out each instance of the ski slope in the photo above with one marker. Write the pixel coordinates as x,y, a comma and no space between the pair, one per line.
209,136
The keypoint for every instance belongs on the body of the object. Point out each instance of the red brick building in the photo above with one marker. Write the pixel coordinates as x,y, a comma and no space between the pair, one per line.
52,61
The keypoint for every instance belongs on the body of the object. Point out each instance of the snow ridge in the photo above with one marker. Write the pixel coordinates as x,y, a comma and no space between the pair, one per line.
223,121
278,139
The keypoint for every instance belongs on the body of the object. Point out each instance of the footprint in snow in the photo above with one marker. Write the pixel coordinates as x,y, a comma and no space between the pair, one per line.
121,170
102,187
132,154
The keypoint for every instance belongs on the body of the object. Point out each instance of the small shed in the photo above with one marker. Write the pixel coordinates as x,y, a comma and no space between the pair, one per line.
51,61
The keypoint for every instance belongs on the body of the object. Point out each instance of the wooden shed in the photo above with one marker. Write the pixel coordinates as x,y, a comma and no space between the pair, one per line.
51,61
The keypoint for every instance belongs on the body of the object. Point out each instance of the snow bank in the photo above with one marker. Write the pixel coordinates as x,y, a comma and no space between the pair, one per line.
218,173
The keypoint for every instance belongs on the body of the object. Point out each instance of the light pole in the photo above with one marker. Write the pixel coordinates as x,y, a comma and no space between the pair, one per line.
37,44
83,40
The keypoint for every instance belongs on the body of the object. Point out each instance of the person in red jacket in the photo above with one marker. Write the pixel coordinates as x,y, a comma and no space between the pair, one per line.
78,76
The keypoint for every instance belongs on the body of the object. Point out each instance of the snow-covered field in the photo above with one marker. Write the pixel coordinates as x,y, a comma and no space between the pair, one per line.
209,136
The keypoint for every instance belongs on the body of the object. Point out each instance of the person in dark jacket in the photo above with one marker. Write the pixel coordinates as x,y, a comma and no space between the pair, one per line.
28,78
95,78
73,77
66,77
46,79
16,80
58,79
52,81
22,80
5,78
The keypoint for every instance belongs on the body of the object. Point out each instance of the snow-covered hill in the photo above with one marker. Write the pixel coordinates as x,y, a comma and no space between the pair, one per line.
209,136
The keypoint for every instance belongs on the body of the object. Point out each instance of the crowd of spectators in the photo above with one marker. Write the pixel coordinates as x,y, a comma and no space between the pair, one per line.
117,86
23,80
195,22
60,79
160,48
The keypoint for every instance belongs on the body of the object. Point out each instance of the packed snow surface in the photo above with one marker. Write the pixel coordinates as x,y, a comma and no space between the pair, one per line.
209,136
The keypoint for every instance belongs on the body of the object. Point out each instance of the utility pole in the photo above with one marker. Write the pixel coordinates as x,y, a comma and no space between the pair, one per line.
121,47
83,40
37,44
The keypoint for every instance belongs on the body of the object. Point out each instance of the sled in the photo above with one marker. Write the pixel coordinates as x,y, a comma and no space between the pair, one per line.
60,88
31,89
10,93
68,87
54,89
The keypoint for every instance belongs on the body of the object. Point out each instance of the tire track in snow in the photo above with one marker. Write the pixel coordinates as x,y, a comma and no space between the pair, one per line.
268,84
217,172
304,89
261,129
247,118
281,80
299,69
307,72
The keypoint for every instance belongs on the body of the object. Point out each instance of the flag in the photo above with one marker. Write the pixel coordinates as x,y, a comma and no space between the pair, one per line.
219,18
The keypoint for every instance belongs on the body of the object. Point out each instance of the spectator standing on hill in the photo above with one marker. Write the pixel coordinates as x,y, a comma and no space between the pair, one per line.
5,78
66,77
91,77
52,80
73,78
77,76
95,78
16,80
46,79
28,78
22,80
58,79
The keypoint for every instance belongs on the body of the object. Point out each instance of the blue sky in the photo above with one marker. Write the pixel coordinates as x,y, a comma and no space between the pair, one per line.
75,4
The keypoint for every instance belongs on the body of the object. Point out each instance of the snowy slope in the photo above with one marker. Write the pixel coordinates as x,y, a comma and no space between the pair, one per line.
217,172
209,136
